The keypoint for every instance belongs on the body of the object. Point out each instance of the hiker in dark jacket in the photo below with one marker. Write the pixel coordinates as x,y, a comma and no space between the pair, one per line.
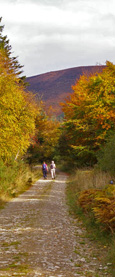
44,170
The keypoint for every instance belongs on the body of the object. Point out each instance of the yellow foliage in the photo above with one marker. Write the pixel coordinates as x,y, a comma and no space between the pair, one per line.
47,135
17,113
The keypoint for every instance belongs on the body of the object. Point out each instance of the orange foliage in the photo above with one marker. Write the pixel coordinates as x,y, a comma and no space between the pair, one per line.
102,205
90,111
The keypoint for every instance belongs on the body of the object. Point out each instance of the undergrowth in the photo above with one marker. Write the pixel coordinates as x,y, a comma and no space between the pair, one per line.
15,178
85,179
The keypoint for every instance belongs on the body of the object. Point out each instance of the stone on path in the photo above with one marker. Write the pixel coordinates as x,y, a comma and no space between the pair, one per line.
39,238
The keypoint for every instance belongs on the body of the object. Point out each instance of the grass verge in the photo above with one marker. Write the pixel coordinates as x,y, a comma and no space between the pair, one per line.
82,180
15,179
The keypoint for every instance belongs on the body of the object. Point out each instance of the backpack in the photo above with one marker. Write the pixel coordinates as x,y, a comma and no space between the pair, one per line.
44,166
51,166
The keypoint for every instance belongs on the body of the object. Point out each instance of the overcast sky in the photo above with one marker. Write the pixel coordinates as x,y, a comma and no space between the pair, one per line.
49,35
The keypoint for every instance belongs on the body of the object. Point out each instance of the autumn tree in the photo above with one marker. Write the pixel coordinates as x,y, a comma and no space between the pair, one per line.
43,144
106,156
90,113
17,113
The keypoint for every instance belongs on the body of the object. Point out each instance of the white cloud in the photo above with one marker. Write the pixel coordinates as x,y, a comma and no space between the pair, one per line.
54,34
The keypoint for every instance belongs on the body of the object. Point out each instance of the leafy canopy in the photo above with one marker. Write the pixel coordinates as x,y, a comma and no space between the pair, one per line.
17,107
90,112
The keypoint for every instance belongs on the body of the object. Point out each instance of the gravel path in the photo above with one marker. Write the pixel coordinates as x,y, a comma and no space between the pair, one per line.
39,238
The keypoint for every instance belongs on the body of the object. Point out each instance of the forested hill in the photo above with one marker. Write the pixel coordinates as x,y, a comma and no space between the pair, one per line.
54,86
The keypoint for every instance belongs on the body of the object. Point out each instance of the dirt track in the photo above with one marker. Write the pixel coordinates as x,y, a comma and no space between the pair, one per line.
39,238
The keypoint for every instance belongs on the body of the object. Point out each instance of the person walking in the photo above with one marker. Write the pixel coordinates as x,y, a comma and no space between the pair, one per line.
44,170
53,168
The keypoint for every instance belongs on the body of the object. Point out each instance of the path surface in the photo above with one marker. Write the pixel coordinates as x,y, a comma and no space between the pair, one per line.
39,238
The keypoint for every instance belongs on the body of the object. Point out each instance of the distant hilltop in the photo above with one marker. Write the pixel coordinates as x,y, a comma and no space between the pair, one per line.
53,87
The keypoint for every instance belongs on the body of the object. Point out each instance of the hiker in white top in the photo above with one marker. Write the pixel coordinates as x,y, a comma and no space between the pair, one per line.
52,168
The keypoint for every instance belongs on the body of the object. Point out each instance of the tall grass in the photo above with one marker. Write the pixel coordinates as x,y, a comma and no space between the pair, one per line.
81,180
90,178
15,178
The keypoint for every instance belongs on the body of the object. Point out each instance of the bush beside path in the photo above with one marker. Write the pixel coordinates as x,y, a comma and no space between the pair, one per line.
40,238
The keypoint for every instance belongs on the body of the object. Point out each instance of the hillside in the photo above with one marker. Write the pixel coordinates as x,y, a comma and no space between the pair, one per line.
55,86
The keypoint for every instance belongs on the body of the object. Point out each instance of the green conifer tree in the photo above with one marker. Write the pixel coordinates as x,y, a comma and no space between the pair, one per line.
5,46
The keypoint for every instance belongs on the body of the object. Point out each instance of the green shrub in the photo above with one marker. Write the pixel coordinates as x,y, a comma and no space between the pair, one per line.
15,178
106,157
